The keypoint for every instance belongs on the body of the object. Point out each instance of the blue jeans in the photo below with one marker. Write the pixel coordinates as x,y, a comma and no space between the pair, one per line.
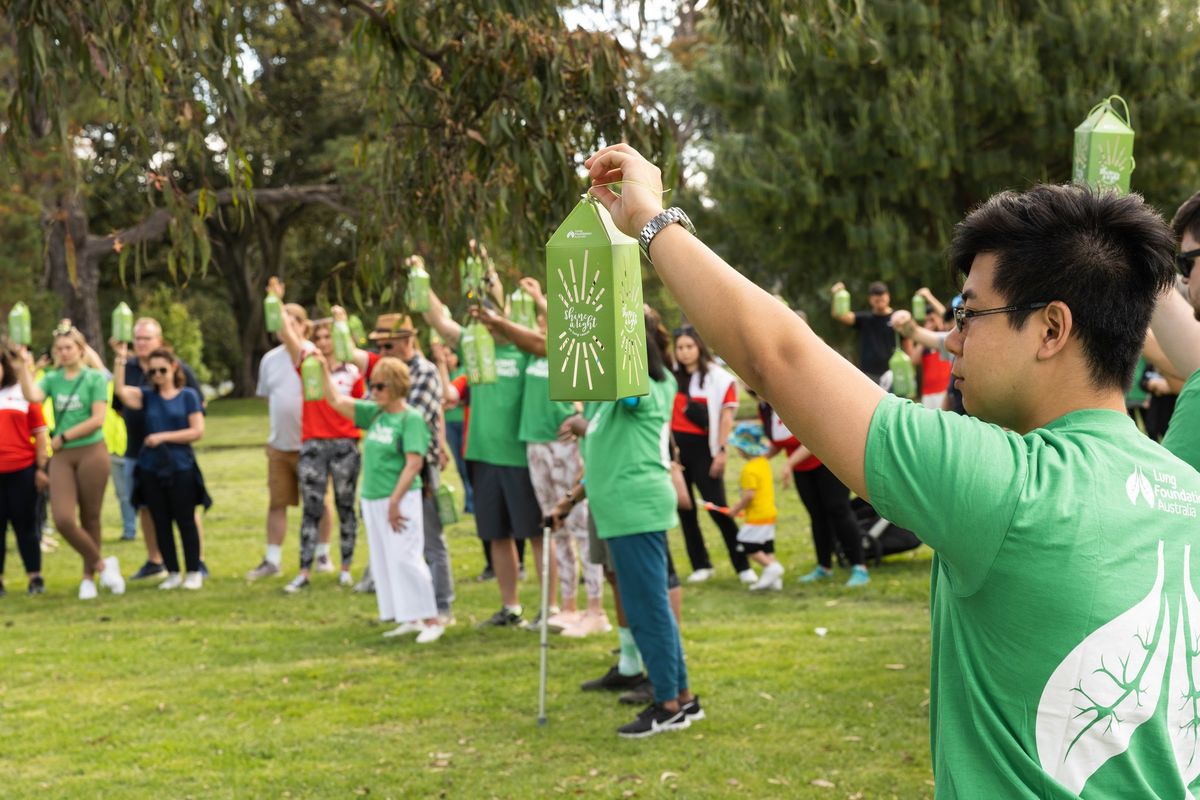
454,438
640,561
122,478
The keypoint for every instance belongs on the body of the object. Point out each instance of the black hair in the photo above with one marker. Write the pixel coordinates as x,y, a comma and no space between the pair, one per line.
655,362
10,375
1106,256
1187,218
681,373
877,287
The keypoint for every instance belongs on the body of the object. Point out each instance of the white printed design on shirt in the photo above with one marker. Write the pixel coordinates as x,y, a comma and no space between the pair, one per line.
1111,683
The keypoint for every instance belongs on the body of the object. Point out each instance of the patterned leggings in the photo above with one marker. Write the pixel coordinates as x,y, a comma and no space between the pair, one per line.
553,468
319,460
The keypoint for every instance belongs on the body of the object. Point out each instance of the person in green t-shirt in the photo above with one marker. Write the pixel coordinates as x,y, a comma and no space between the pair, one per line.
554,466
627,481
506,507
456,425
79,468
1063,608
395,441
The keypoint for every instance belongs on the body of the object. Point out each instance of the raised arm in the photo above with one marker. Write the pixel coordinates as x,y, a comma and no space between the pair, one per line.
765,343
847,318
527,339
438,318
361,357
450,396
534,290
341,403
908,328
292,338
23,367
131,396
1174,325
934,304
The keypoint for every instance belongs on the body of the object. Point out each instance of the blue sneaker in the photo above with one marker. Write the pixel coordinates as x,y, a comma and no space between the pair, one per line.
818,574
858,577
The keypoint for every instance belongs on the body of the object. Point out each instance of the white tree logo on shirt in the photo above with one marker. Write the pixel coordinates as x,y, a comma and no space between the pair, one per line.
1111,683
582,304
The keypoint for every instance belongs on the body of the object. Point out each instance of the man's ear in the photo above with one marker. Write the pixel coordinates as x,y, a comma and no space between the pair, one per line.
1055,324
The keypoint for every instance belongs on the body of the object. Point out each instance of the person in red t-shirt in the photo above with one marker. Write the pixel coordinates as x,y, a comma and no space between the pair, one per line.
328,450
24,445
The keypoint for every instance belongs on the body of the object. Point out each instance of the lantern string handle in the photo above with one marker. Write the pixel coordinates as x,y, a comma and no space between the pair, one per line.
618,183
1124,105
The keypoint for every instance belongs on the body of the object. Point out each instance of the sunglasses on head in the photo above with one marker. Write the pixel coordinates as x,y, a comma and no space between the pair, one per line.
684,330
157,371
1185,262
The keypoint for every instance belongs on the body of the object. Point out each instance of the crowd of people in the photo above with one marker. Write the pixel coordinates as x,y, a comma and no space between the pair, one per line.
1040,492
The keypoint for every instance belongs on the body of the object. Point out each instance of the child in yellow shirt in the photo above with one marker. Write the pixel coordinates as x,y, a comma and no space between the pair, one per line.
757,536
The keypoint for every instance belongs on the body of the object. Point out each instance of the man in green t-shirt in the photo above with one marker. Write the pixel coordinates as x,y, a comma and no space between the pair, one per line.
1063,610
506,508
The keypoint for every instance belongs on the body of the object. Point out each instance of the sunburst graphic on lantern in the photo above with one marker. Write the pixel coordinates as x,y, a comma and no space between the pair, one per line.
582,303
1114,157
631,351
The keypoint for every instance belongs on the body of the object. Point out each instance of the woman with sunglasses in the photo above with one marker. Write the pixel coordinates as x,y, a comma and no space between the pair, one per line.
167,479
328,450
394,446
79,469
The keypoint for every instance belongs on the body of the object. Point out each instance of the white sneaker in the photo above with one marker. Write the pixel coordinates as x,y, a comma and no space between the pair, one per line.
345,579
173,581
403,629
772,578
748,576
111,578
430,633
194,580
700,575
87,589
324,564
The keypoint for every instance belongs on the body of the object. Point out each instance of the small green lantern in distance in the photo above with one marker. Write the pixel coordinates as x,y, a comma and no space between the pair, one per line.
122,323
416,293
20,325
1103,156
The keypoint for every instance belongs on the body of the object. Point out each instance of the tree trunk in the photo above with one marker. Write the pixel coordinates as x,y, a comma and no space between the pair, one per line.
65,226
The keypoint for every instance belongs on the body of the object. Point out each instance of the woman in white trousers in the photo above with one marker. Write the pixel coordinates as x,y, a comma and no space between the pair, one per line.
395,441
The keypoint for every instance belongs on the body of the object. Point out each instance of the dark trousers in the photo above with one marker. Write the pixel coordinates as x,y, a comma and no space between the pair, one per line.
828,502
640,562
172,499
697,459
18,505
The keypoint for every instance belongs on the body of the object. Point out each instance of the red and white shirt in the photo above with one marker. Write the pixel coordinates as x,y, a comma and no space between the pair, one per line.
318,419
783,438
19,421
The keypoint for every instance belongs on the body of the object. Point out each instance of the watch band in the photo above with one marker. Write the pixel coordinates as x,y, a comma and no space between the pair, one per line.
656,225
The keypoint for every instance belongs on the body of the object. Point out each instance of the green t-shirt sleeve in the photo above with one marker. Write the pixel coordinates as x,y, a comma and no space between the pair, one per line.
94,390
953,480
1183,437
365,412
416,434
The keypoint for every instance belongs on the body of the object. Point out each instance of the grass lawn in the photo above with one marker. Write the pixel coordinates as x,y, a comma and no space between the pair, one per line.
243,691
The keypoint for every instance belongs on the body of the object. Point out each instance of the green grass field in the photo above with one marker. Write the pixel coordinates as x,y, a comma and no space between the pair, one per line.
243,691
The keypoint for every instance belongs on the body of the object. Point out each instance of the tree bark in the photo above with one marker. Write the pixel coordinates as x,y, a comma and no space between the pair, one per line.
65,227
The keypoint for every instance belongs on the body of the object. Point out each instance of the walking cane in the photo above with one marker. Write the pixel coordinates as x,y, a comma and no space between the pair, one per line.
543,621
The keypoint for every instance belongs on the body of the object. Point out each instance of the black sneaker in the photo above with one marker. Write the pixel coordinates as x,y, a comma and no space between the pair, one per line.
36,586
655,718
613,681
487,575
692,709
639,695
149,570
504,619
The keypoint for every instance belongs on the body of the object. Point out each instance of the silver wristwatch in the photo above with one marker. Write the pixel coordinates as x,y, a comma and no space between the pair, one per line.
660,221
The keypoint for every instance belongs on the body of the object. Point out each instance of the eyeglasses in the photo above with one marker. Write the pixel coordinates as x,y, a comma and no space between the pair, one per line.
378,387
962,313
157,371
1185,262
